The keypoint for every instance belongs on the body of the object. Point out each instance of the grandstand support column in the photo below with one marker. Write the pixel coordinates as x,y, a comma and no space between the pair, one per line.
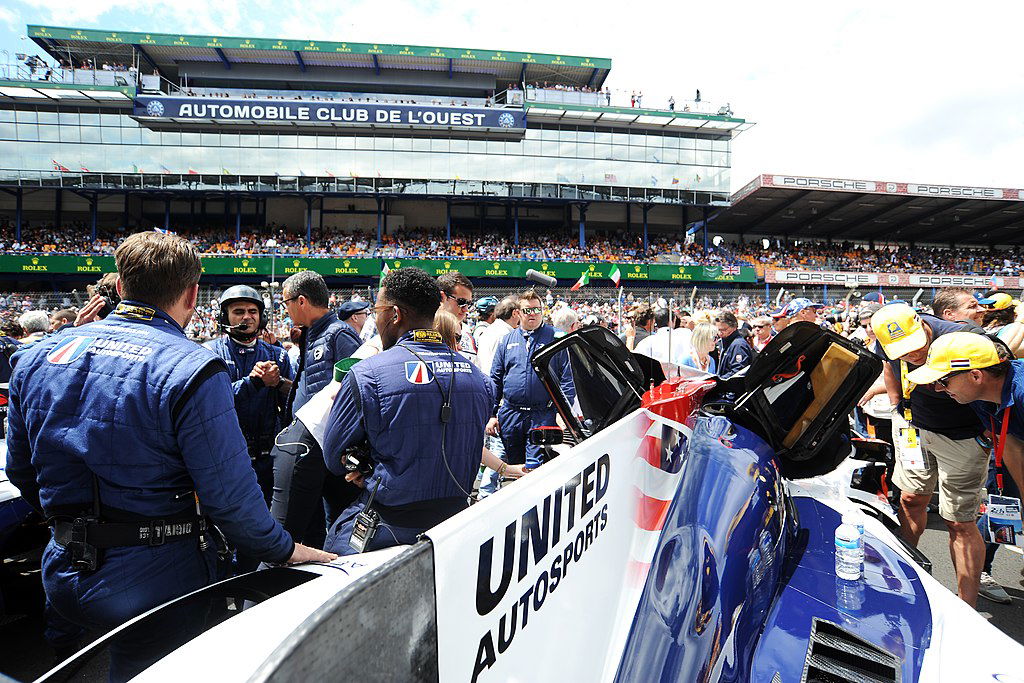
704,219
379,221
448,220
515,224
238,219
583,225
59,208
93,209
167,213
126,212
645,208
17,214
309,222
629,217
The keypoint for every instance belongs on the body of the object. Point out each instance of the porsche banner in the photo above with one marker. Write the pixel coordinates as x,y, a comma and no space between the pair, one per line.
544,586
858,279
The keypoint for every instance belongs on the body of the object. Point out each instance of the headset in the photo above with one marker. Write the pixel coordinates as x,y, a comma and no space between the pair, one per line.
243,293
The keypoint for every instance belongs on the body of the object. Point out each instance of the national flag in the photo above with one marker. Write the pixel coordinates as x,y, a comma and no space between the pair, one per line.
615,275
960,363
731,270
584,279
164,232
192,171
697,176
60,167
84,169
654,180
164,169
610,178
329,174
384,271
225,171
136,169
675,181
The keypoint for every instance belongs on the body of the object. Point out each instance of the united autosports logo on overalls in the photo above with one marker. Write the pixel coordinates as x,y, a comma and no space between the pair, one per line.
69,351
418,372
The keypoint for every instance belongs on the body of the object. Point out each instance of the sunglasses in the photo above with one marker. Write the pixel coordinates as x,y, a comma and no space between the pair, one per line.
758,327
291,299
944,381
463,303
532,310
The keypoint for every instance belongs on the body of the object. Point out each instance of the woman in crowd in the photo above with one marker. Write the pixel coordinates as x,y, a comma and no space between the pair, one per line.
702,342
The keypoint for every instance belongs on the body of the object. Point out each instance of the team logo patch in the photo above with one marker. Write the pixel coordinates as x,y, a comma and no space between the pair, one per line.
318,353
69,351
895,331
960,363
418,372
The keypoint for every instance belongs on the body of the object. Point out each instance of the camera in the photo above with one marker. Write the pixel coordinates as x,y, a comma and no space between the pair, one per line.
357,459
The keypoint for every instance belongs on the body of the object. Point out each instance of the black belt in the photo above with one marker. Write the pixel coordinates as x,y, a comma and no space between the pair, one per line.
151,532
529,409
423,514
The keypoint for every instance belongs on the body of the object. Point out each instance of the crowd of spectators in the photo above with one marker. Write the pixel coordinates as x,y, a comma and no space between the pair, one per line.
555,244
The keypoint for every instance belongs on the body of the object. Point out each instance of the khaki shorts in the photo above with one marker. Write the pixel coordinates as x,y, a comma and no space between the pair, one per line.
959,466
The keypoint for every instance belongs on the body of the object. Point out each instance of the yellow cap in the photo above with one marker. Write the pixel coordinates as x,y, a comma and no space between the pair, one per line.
1001,301
956,351
899,330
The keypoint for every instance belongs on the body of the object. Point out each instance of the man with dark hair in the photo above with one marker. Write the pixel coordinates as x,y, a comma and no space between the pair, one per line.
485,316
420,409
734,352
936,442
979,371
62,319
304,492
457,298
642,327
957,304
521,402
123,434
260,380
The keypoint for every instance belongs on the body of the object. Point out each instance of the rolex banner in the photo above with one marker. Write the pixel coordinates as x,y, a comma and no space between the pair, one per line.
282,266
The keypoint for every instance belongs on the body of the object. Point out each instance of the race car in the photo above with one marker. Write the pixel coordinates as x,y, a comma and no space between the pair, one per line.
686,534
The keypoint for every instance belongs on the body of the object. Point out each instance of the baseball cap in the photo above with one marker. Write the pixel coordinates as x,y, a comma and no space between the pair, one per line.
999,301
955,351
874,297
347,309
799,304
778,312
899,330
486,304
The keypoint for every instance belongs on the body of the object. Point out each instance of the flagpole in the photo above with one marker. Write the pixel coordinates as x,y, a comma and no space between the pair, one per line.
620,310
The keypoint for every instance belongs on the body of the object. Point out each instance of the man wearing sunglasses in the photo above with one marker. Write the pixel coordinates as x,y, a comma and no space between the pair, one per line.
937,442
457,299
524,402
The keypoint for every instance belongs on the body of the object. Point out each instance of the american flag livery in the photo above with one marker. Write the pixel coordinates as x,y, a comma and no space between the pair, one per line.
417,372
69,351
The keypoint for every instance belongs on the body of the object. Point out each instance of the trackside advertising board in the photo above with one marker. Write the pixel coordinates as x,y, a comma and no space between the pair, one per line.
865,279
543,584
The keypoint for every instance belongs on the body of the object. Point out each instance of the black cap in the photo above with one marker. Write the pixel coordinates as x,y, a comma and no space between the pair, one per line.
346,310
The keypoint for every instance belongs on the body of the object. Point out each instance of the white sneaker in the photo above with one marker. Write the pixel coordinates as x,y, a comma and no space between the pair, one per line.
990,590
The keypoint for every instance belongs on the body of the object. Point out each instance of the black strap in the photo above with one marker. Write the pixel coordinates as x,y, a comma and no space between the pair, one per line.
209,370
151,532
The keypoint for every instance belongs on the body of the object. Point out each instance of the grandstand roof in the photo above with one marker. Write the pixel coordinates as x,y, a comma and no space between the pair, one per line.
862,210
166,51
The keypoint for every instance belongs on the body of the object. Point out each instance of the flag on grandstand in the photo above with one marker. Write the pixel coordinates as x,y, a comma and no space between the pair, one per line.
164,169
225,171
654,180
60,167
84,169
192,171
329,174
615,275
164,232
675,181
584,279
993,282
697,176
731,270
610,178
136,169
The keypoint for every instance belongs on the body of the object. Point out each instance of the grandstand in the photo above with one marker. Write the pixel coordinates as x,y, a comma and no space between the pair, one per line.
129,131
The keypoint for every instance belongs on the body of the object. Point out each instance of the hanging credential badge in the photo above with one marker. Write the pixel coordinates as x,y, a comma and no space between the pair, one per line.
908,449
1002,520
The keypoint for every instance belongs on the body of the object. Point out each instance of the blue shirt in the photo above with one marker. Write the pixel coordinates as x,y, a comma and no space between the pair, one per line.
1012,397
513,376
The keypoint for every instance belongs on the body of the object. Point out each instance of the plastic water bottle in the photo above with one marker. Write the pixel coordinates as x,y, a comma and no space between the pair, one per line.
849,549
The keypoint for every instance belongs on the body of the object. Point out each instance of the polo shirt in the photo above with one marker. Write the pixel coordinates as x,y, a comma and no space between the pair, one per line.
1012,398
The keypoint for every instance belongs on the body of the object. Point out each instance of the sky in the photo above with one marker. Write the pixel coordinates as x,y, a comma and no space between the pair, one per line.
906,91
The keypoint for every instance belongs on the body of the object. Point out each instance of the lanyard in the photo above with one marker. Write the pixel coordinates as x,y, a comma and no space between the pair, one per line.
908,388
999,445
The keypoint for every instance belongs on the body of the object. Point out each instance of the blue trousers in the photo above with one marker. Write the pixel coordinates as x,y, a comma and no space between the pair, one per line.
128,582
515,426
340,536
